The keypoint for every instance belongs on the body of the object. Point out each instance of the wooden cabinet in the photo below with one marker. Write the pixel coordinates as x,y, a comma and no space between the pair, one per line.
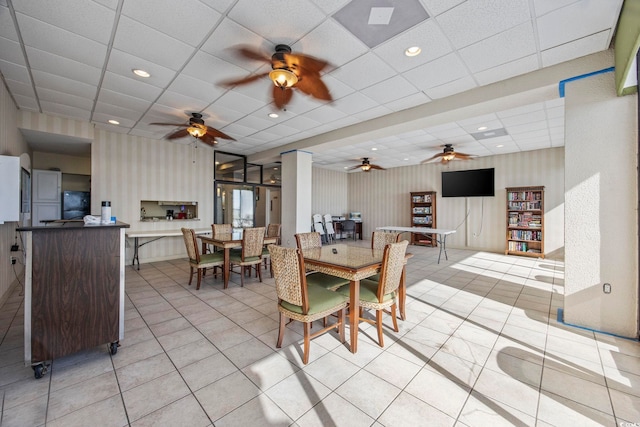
46,196
423,214
525,221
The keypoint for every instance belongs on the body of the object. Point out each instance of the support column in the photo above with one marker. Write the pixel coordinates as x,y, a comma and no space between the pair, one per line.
296,195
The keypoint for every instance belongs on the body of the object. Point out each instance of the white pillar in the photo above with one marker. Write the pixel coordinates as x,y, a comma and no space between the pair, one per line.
296,195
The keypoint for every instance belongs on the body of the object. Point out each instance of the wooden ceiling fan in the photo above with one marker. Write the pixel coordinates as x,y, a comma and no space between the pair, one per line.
448,154
366,166
197,129
288,71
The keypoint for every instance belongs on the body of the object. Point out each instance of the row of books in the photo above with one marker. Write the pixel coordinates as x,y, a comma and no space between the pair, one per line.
422,210
422,219
525,235
523,206
525,219
522,247
524,195
422,199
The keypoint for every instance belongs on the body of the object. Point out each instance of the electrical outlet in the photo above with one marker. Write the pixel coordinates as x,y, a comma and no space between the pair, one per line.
15,248
606,288
13,260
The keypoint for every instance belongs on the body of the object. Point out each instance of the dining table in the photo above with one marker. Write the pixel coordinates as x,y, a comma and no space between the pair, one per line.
226,242
353,263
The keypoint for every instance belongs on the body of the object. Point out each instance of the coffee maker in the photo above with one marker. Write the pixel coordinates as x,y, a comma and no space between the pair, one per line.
169,214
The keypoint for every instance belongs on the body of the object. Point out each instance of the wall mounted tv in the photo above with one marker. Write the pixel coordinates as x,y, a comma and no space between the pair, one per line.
468,183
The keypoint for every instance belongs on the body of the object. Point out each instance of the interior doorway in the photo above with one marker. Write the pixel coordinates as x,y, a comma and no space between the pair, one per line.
247,205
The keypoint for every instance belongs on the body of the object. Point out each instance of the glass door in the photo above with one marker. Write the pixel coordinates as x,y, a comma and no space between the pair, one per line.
235,205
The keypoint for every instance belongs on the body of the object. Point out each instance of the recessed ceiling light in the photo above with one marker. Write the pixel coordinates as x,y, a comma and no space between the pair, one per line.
406,159
141,73
500,146
374,149
346,167
483,128
273,115
114,122
412,51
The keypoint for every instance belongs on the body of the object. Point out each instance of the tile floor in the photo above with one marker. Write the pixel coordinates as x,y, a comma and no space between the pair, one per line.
481,347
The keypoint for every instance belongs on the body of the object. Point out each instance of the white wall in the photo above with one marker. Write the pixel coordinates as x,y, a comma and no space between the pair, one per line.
329,192
383,198
11,144
601,206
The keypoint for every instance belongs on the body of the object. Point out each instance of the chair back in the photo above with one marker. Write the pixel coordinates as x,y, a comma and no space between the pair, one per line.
380,239
189,236
328,224
288,272
349,225
308,240
221,229
392,265
273,230
252,242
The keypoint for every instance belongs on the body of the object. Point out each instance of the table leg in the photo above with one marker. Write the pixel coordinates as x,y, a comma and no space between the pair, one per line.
227,263
135,253
402,293
354,313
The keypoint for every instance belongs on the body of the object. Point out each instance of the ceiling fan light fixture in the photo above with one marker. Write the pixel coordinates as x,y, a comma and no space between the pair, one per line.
366,167
283,78
449,156
196,131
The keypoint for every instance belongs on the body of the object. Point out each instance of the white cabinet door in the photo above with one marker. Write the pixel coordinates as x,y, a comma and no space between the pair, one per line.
44,211
46,186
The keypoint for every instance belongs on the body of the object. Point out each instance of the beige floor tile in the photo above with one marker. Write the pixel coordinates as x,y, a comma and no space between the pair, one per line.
192,352
138,373
207,371
433,382
225,395
402,373
255,412
110,411
82,394
30,413
466,350
153,395
369,393
248,352
577,389
480,410
180,338
331,370
269,371
408,410
335,411
128,354
455,369
507,390
297,394
559,411
626,406
181,412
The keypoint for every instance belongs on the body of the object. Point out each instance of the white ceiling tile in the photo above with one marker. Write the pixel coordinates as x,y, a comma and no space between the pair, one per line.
194,88
372,113
11,51
19,88
331,42
219,5
130,87
15,72
280,21
114,110
427,35
508,46
523,110
330,6
555,112
63,84
123,64
123,100
575,21
64,67
437,72
208,68
390,89
181,102
126,123
354,103
575,49
238,102
190,20
228,36
325,115
451,88
57,41
301,123
26,103
111,4
147,43
526,128
363,71
57,109
476,20
86,18
436,7
222,116
543,7
408,102
505,71
238,131
7,29
531,117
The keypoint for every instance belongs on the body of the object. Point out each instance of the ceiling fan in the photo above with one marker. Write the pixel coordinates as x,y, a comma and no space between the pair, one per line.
366,166
448,154
289,71
197,129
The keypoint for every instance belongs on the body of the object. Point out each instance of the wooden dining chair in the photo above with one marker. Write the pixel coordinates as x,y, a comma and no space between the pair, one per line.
250,257
273,230
311,240
383,294
380,239
199,262
302,301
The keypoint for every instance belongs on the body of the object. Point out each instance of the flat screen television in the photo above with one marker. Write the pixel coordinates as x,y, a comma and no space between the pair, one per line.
468,183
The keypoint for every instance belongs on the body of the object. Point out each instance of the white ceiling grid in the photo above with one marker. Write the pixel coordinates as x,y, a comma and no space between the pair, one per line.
74,59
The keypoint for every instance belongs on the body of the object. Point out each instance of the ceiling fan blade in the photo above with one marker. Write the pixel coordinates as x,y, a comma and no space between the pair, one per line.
245,80
377,167
313,86
308,63
215,133
170,124
250,53
464,156
432,158
281,96
179,134
208,139
354,167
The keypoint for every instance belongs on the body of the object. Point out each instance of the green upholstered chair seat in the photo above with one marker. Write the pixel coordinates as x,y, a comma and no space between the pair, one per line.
236,258
210,258
320,300
369,292
326,281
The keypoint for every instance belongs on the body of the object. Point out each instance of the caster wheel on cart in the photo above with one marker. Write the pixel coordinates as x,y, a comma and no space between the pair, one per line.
38,371
113,347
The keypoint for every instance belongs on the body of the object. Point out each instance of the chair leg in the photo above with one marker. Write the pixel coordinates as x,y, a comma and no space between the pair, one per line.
341,321
242,273
190,274
259,272
281,330
379,327
395,319
307,332
199,278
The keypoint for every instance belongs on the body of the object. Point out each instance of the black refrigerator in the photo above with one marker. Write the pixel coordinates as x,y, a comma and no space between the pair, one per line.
76,204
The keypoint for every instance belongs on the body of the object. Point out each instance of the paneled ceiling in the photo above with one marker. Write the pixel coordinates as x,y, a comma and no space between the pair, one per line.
75,59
